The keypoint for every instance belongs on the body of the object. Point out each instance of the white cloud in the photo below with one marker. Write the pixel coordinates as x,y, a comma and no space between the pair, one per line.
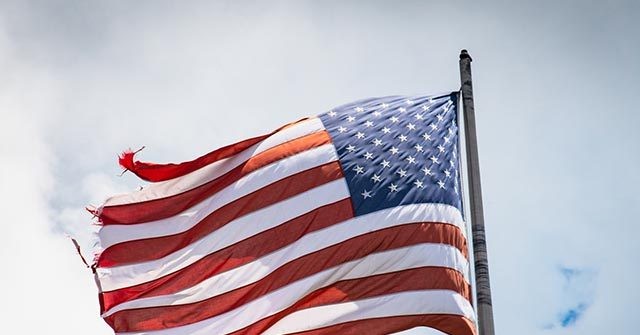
45,287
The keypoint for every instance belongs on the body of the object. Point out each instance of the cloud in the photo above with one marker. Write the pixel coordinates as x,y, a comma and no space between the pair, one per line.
45,287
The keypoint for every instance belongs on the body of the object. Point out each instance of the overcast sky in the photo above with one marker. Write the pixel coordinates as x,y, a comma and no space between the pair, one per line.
555,83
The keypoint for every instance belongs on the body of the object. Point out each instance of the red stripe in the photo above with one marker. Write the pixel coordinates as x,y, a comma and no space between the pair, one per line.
154,318
236,255
424,278
160,172
169,206
155,248
446,323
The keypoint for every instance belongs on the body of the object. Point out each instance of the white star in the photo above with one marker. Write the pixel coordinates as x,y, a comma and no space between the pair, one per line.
384,105
350,118
359,109
411,160
366,194
447,173
425,108
394,150
451,163
360,135
385,163
441,148
418,183
393,187
419,117
450,131
358,169
409,102
434,126
434,159
419,148
368,124
446,140
426,137
368,155
342,129
332,113
441,184
386,130
411,126
427,171
440,117
377,113
402,138
376,178
351,148
377,142
394,119
402,173
402,109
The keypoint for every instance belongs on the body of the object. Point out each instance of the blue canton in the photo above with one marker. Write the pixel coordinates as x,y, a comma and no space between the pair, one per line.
398,150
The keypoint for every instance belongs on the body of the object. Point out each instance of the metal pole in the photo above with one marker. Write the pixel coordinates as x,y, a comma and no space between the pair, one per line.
483,288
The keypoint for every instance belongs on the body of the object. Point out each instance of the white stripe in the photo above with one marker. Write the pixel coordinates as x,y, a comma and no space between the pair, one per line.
426,254
113,234
229,234
129,275
397,304
419,331
212,171
420,255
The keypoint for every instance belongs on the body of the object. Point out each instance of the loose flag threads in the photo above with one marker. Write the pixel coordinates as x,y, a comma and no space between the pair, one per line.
77,246
93,211
125,159
349,222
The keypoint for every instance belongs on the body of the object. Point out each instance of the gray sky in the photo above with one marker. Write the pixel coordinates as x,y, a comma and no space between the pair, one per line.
554,85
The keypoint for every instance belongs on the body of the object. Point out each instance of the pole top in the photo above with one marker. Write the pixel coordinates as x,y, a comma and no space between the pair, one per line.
464,55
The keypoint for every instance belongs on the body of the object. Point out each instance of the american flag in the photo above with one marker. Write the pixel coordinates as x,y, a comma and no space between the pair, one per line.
346,223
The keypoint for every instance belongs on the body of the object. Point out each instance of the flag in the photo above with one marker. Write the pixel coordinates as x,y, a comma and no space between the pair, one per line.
345,223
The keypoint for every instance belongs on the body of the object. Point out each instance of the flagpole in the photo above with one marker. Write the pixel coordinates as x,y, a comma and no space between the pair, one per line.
484,307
